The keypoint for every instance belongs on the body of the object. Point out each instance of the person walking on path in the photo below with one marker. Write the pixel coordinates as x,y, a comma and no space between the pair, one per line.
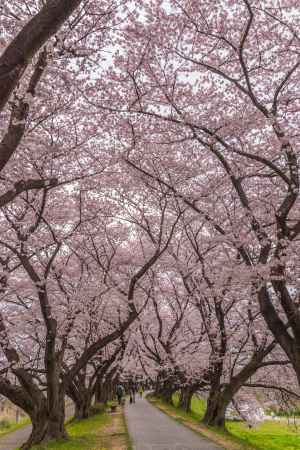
120,391
150,429
132,391
141,391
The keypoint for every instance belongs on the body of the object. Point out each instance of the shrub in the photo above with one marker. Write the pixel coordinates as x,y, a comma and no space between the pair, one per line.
4,423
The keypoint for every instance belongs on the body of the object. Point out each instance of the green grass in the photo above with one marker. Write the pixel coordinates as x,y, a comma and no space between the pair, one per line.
198,405
102,431
128,437
269,435
13,426
290,414
84,435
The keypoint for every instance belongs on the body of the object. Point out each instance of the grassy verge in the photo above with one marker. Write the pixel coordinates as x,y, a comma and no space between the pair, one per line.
128,438
100,432
266,436
192,420
9,426
269,435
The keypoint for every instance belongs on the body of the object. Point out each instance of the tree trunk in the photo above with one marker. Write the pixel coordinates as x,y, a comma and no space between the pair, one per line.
46,427
217,404
47,417
166,392
83,407
39,430
167,396
99,392
185,399
104,391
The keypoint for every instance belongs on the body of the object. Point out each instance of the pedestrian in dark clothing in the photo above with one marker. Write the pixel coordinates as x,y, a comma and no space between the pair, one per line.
132,391
120,391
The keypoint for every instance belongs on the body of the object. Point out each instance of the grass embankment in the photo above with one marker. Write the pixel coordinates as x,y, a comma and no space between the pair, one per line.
268,435
7,426
100,432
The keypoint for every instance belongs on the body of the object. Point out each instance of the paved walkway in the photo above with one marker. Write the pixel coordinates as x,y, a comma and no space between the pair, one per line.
150,429
14,440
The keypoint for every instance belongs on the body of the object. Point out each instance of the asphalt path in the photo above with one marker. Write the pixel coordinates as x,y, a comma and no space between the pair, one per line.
150,429
14,440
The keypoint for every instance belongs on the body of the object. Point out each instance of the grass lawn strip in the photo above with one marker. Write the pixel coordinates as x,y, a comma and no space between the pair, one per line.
115,435
129,440
269,435
101,432
12,426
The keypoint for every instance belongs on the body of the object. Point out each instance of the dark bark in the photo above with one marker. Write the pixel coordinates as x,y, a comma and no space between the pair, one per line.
165,392
167,395
185,398
47,425
47,416
221,395
81,396
19,115
47,411
24,186
105,387
103,392
83,409
29,40
217,404
290,344
167,383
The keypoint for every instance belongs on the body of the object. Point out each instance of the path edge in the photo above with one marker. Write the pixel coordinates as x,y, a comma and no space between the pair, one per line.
129,439
222,441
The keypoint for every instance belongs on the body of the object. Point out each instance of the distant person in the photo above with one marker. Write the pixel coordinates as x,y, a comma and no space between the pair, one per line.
141,391
120,391
132,392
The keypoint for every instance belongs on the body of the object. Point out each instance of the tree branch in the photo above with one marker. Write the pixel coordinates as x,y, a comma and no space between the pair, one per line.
28,41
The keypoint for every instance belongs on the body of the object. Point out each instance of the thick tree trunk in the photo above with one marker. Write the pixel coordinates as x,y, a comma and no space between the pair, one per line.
81,395
185,398
83,408
289,344
217,404
156,388
47,417
167,396
99,393
221,396
165,392
164,388
82,399
104,391
46,426
39,430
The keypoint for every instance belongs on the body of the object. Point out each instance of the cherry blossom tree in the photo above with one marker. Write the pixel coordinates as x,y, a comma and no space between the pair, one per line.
211,92
77,275
149,182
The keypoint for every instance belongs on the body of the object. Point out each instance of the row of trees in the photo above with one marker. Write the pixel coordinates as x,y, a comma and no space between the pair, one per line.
149,201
